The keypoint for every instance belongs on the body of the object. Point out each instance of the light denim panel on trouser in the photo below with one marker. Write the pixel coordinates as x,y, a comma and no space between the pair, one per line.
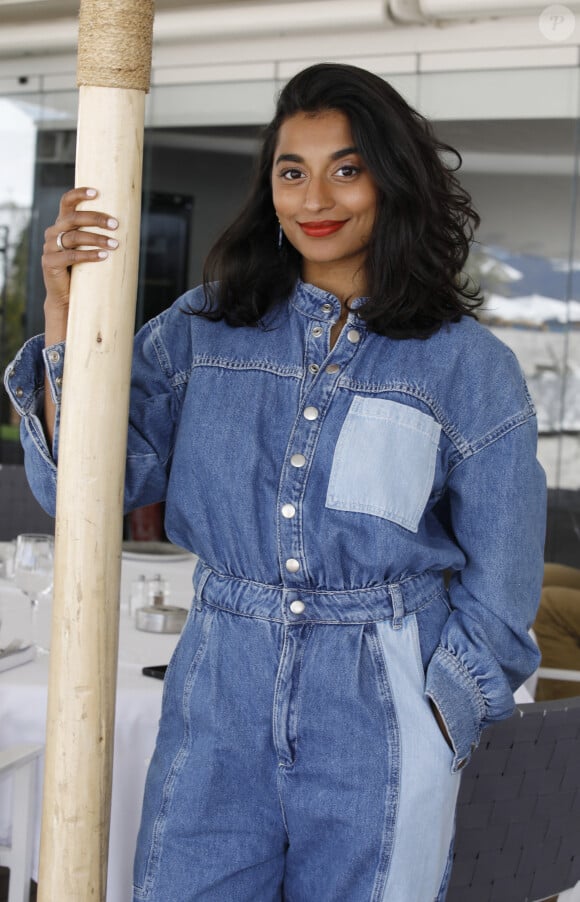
299,760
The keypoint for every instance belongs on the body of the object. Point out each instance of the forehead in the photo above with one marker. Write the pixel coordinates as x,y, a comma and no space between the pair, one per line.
323,132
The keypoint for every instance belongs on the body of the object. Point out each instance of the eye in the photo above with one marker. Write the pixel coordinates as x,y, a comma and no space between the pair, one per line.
291,175
348,170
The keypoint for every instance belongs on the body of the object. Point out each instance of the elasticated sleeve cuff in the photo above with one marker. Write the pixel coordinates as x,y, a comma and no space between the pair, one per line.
459,701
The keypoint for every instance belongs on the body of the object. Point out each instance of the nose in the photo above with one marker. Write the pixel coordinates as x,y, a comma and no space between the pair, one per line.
317,195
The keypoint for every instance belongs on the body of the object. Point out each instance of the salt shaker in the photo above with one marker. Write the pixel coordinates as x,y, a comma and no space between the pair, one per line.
138,598
157,591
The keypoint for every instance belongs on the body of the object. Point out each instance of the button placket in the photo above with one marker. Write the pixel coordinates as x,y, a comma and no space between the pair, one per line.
316,349
316,399
316,344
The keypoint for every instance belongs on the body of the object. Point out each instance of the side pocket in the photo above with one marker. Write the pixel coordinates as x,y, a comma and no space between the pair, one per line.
384,461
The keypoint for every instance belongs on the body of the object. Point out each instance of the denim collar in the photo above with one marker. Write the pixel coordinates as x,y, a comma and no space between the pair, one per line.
309,299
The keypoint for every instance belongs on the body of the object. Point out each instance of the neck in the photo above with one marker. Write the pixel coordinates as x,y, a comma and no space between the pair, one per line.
343,283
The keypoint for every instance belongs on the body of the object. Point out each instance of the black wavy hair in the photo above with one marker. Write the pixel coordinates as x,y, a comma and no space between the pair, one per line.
422,232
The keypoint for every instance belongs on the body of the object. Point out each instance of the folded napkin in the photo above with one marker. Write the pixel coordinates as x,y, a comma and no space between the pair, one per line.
14,655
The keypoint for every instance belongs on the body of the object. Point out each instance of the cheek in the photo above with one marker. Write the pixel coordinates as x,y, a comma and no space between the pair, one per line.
366,202
369,210
280,202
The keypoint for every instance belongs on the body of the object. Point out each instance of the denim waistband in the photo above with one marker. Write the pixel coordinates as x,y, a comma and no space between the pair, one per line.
254,599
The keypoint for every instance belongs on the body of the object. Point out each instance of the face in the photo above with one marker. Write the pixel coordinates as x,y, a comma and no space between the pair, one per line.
325,198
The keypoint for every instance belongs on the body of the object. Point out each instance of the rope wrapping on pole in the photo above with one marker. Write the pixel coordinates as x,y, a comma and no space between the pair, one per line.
114,61
115,38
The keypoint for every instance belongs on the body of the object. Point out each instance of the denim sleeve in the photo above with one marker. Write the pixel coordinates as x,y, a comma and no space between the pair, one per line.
157,391
24,383
154,406
497,500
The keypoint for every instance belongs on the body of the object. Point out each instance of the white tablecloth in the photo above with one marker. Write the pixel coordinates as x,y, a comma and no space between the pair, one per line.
23,698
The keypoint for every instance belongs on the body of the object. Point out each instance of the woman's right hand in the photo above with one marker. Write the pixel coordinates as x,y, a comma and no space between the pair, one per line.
62,247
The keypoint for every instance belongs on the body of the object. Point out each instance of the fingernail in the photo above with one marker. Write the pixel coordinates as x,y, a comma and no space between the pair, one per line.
112,223
112,242
91,192
103,255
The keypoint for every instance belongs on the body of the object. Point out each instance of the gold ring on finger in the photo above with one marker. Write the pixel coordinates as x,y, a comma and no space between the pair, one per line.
59,243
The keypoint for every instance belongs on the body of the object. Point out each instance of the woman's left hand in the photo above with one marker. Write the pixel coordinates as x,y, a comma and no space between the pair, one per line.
441,724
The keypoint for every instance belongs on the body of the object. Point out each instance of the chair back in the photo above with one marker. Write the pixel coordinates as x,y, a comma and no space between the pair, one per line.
23,512
518,814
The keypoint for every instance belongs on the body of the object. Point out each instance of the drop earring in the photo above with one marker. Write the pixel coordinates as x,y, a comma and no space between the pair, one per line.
280,237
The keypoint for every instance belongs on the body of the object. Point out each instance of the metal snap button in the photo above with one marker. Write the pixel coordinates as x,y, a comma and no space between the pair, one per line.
54,356
310,413
297,607
317,331
297,460
353,336
327,308
313,368
332,368
292,565
288,511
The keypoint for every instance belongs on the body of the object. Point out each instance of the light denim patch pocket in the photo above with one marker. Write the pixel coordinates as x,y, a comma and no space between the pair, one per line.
384,461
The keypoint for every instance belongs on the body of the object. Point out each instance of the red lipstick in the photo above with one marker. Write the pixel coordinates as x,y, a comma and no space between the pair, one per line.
322,229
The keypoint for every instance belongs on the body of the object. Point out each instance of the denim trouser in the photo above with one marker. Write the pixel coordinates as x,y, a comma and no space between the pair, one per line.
299,761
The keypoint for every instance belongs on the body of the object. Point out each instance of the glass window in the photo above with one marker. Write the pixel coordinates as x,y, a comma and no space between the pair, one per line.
17,153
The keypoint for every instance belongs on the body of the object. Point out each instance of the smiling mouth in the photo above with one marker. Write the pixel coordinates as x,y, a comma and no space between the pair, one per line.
322,229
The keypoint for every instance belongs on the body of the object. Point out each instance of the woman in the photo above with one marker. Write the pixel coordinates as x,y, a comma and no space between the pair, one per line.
331,430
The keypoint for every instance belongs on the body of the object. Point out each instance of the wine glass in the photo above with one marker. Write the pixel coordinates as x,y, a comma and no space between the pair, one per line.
33,572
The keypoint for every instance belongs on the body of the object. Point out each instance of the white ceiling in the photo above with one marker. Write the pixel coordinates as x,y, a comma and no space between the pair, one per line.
20,12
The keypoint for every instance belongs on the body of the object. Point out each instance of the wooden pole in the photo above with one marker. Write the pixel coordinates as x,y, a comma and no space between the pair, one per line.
113,66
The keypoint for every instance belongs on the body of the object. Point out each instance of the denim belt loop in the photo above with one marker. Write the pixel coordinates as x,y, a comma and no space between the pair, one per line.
198,588
398,606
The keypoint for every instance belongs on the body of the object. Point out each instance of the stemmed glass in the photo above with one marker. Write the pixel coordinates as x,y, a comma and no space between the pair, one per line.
33,572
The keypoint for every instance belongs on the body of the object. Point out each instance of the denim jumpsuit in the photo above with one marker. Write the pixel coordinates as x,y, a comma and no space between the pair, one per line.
325,491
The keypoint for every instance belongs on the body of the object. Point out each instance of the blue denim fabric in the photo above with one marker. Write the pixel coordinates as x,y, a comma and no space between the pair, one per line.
345,479
323,775
373,432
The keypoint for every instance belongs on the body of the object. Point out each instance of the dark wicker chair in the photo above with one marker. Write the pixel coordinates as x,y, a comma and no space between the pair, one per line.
20,510
518,816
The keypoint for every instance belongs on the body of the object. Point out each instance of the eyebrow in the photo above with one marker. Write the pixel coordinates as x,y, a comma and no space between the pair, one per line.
295,158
